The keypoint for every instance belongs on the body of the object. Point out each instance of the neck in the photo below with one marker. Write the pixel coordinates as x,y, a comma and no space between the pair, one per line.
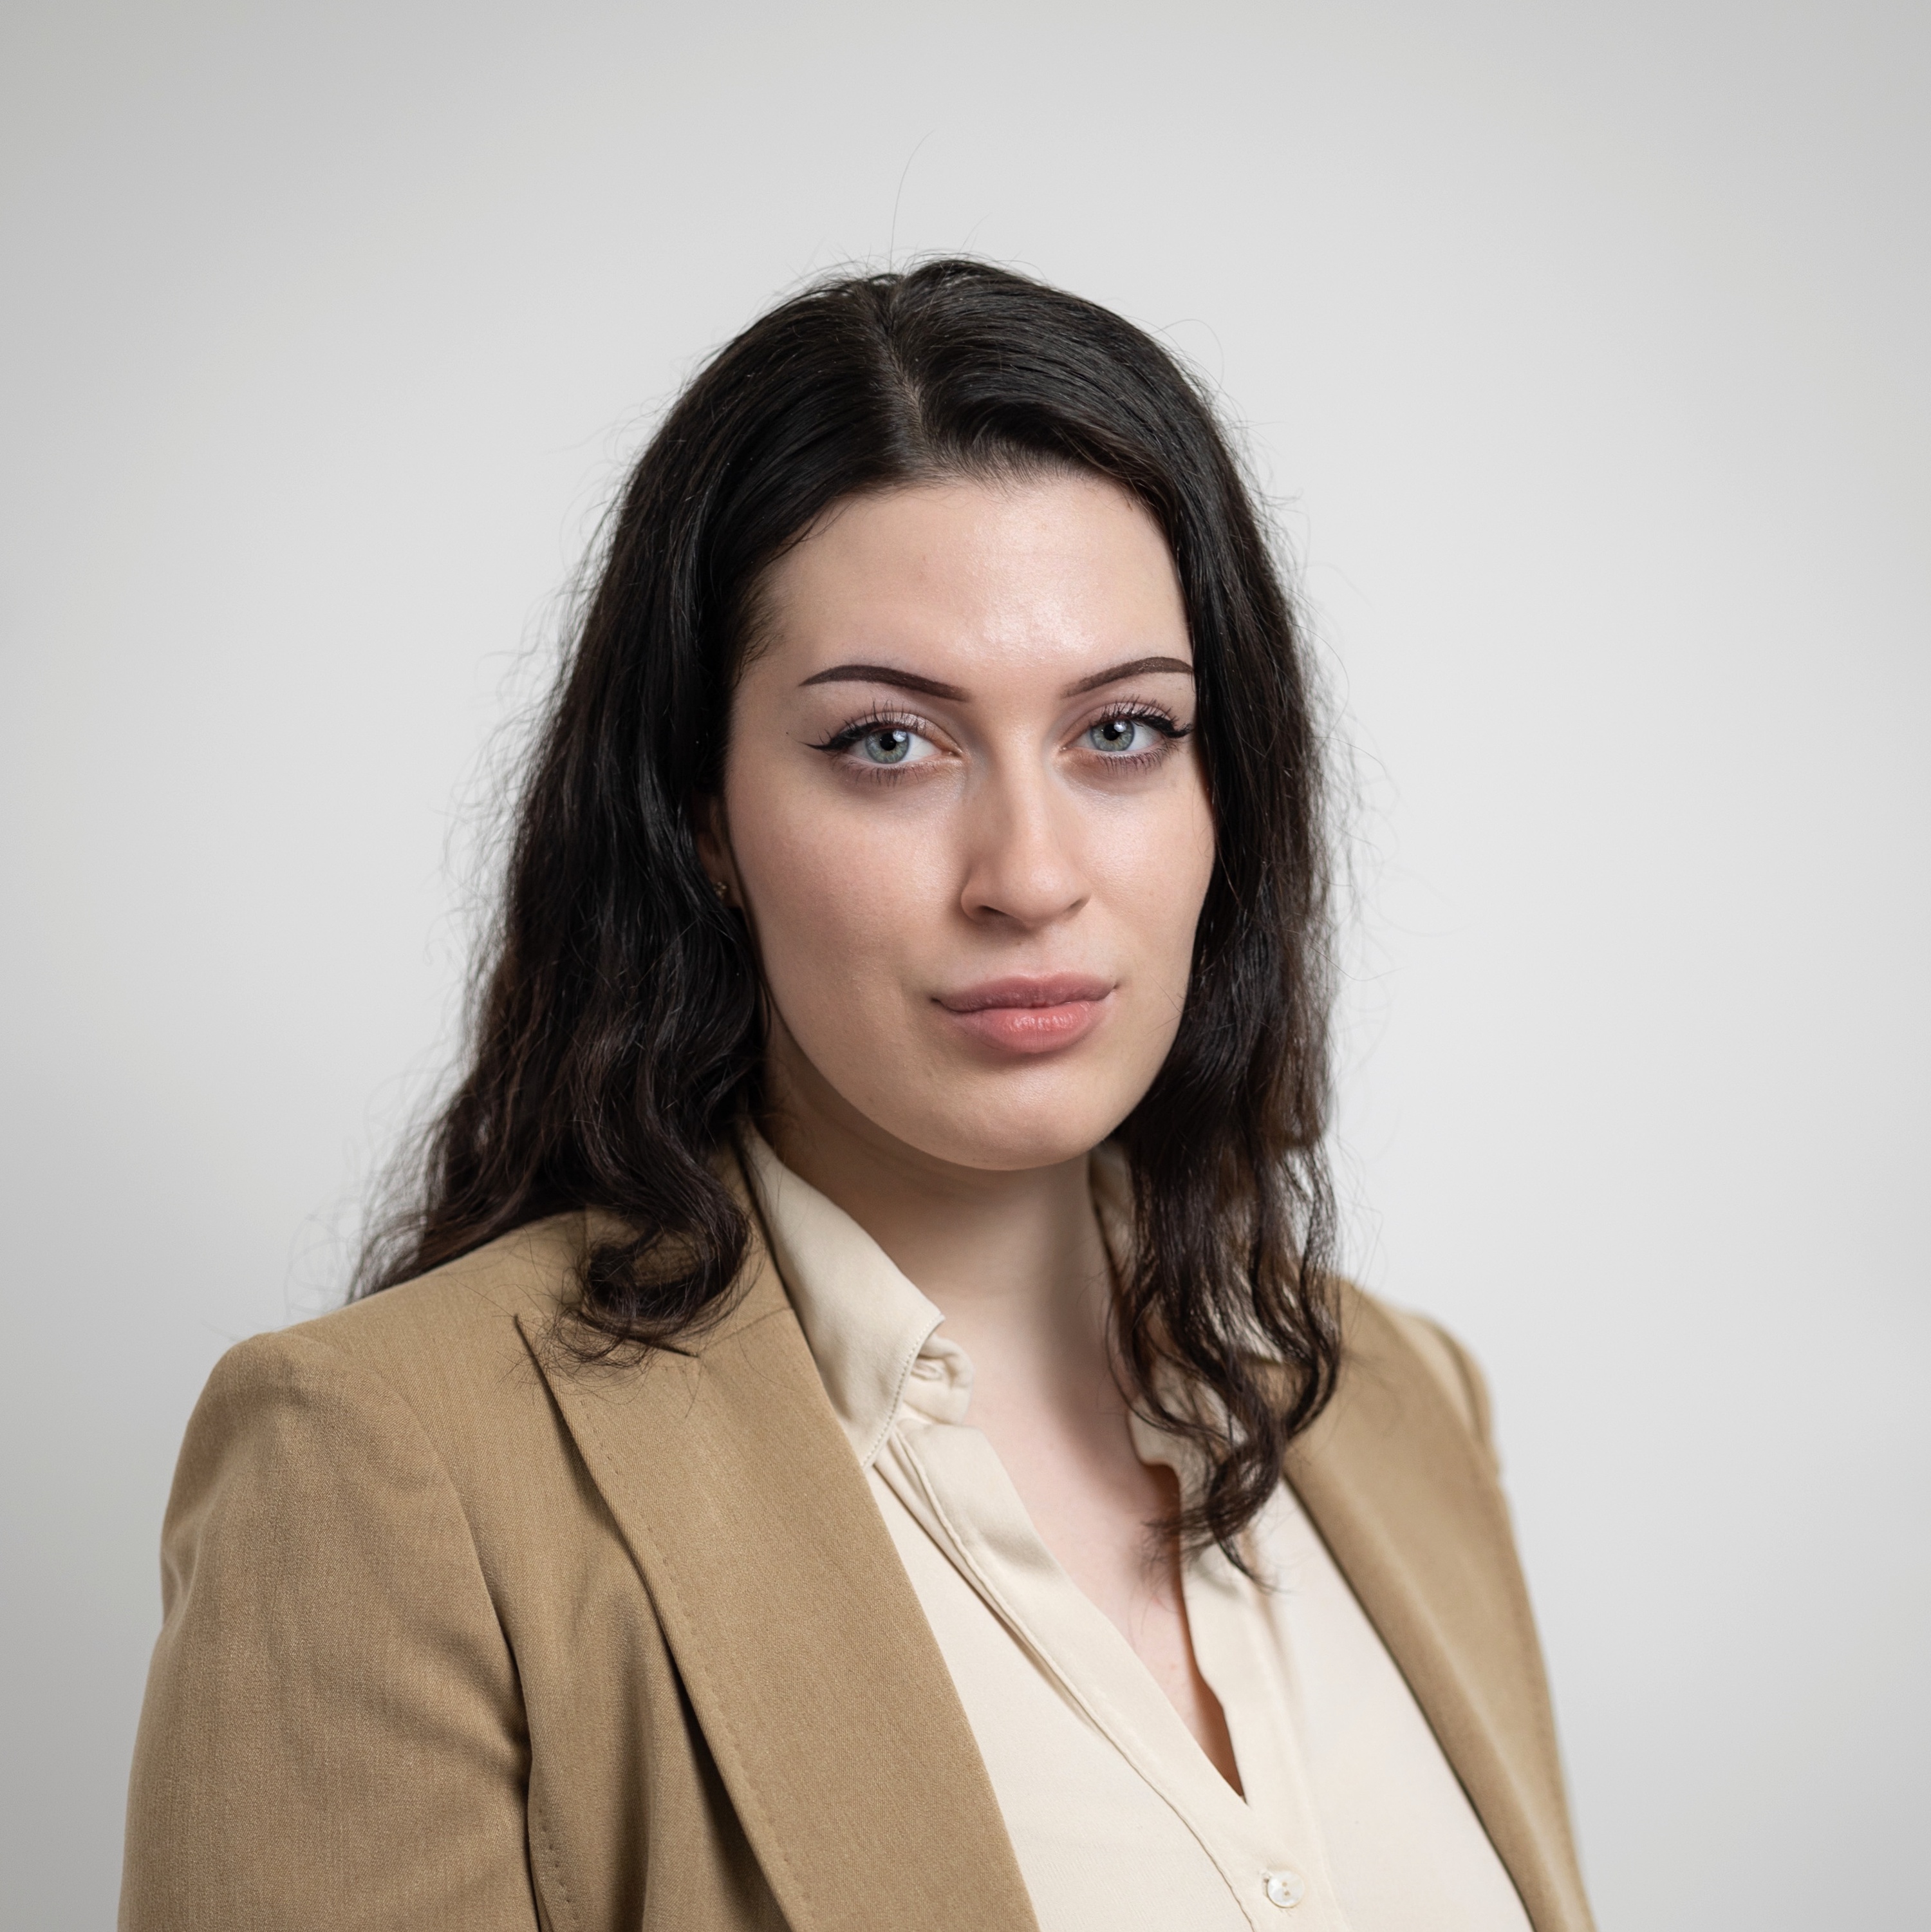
1013,1260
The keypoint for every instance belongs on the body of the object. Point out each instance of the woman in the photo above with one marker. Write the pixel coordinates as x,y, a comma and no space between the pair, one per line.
859,1428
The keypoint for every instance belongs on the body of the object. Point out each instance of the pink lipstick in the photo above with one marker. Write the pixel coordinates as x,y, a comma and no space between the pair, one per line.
1031,1016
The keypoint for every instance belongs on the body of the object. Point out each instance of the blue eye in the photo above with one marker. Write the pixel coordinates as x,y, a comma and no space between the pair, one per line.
881,744
1117,735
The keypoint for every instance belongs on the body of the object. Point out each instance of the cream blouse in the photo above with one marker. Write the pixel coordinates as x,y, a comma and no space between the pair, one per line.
1352,1820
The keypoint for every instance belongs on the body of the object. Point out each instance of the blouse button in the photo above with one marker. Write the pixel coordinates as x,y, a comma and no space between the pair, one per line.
1284,1889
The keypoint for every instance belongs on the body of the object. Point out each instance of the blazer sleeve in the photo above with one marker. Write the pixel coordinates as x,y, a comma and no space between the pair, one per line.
332,1734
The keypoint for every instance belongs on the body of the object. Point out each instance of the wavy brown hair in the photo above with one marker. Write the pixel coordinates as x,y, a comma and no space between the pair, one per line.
616,1036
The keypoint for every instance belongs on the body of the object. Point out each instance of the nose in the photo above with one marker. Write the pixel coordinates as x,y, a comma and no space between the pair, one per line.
1023,856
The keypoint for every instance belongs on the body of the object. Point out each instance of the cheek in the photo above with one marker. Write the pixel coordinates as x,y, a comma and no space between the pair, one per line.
1158,864
837,895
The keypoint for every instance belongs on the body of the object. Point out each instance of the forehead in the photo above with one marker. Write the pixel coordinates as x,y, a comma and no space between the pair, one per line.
1040,573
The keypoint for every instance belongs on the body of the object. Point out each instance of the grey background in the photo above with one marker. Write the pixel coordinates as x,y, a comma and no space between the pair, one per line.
1584,348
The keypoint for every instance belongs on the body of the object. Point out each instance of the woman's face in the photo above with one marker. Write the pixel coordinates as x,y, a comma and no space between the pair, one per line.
964,812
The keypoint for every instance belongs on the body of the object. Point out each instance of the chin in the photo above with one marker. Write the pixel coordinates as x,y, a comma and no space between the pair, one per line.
1005,1138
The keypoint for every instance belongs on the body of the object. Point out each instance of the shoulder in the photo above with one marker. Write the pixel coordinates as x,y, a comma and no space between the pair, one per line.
467,1303
426,1380
434,1345
455,1361
1404,1351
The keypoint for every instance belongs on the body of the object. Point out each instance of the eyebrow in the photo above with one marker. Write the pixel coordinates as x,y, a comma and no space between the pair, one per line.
1133,667
904,680
930,687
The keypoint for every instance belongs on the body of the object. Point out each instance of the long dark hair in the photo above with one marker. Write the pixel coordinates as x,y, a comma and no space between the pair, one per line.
616,1035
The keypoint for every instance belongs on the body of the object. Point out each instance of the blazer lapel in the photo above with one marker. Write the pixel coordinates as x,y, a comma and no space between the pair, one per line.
1397,1489
807,1658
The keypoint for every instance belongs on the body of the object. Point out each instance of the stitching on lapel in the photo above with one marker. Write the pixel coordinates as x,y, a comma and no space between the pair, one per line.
659,1574
665,1577
554,1864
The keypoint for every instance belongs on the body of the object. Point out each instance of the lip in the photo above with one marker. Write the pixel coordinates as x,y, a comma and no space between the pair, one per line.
1028,1016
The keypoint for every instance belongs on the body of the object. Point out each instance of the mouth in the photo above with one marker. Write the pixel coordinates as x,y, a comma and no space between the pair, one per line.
1027,1016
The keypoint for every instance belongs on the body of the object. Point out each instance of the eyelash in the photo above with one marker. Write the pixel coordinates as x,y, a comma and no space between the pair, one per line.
846,736
1138,710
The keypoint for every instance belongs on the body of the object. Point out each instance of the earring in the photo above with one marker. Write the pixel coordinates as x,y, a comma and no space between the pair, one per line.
723,891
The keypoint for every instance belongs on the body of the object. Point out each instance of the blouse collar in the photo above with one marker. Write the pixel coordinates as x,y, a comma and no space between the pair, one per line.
871,1332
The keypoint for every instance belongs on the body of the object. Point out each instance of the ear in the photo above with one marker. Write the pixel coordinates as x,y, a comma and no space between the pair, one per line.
713,838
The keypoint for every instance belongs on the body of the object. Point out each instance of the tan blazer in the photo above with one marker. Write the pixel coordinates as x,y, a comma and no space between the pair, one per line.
460,1634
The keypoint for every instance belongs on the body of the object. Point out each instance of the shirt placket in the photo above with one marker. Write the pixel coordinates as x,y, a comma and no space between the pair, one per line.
1265,1849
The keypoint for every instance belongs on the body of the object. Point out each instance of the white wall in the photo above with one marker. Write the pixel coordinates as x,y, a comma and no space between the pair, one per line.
1586,346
